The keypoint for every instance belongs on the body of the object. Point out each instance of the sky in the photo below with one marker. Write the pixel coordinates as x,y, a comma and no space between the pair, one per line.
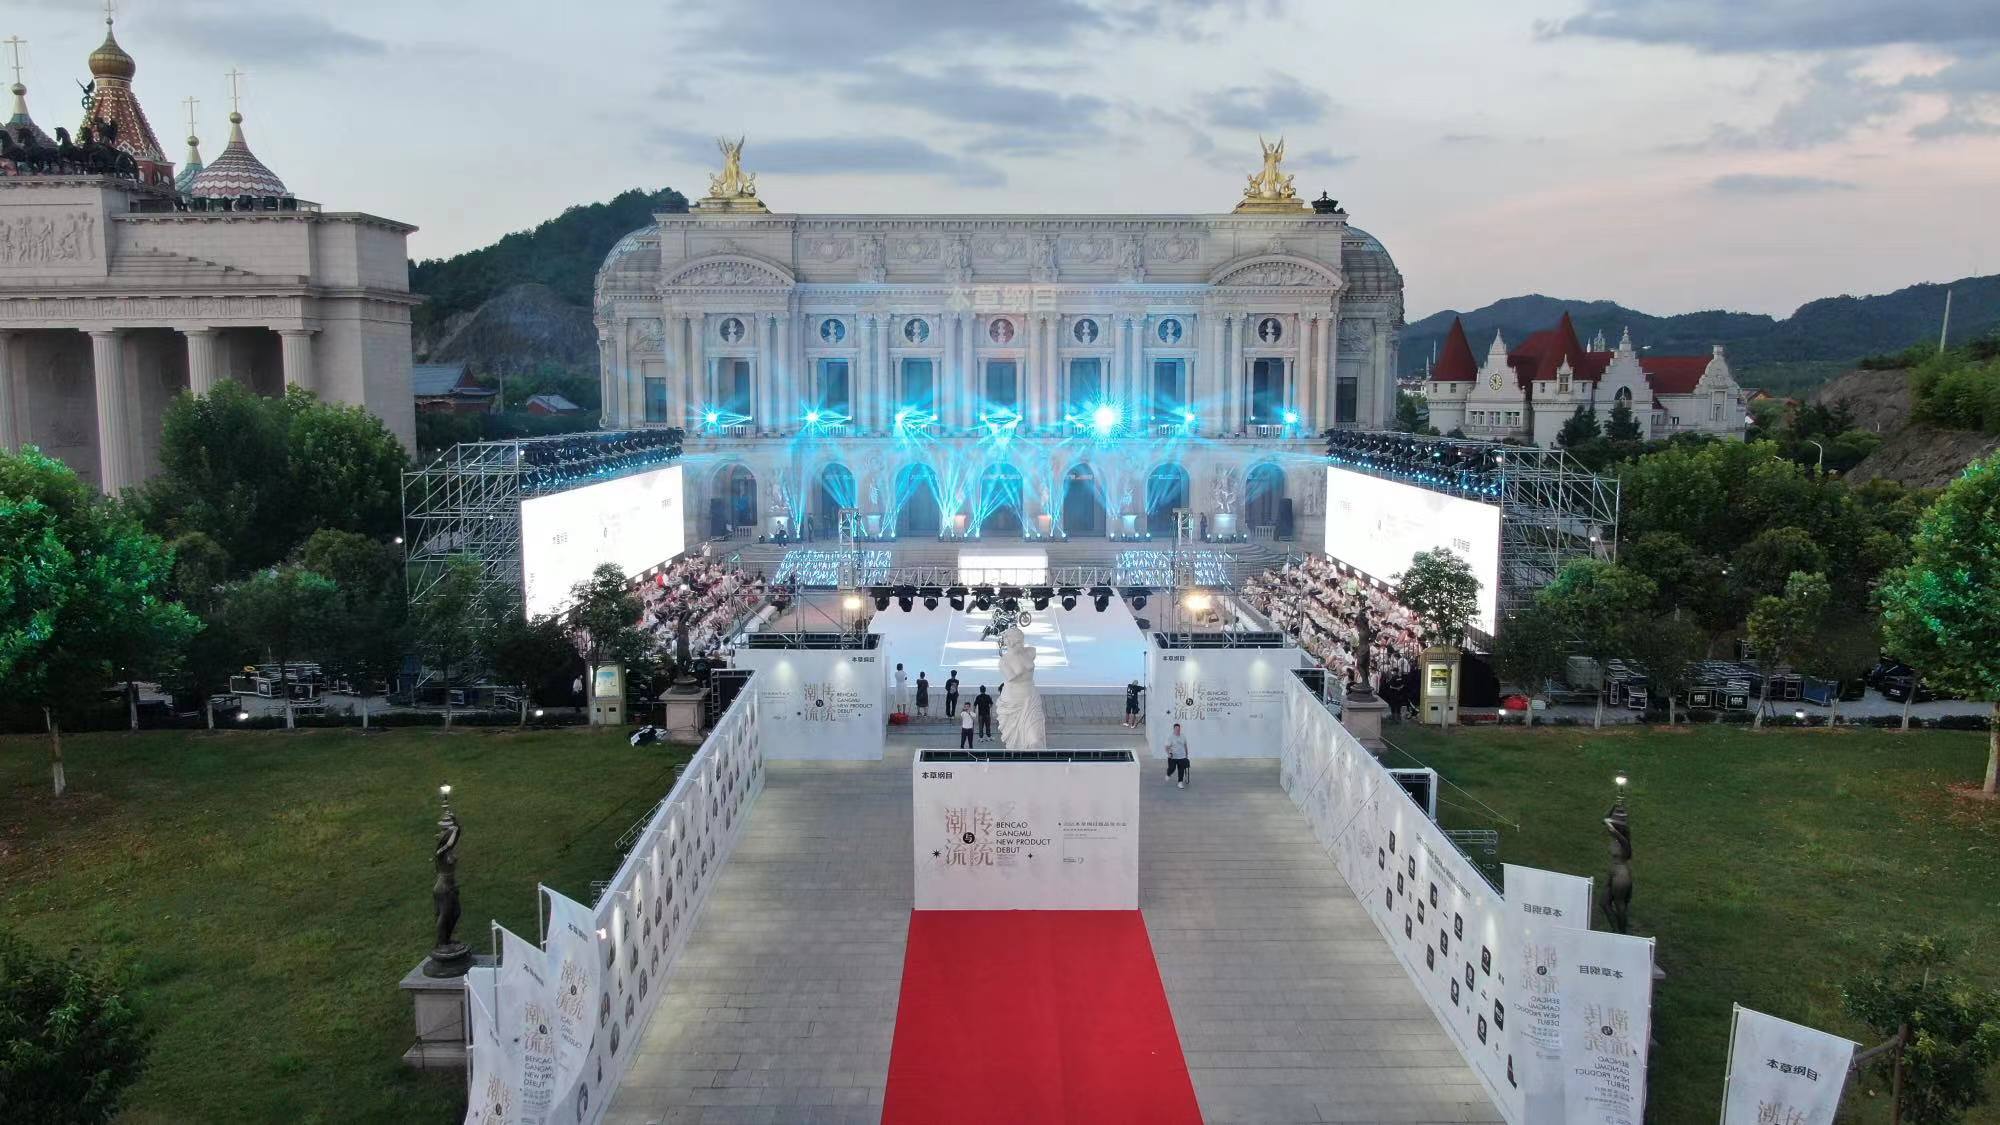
1671,155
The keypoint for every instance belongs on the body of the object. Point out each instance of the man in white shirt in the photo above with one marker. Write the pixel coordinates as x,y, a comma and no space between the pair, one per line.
965,727
1177,756
902,691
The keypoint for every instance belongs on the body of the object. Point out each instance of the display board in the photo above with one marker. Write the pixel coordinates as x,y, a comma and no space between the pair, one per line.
1376,525
645,915
1017,567
633,523
1459,940
825,704
1230,702
1015,835
1783,1071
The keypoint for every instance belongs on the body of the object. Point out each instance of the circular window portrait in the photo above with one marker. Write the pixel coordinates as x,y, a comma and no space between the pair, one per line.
832,330
1001,331
1170,331
731,329
916,330
1085,331
1270,330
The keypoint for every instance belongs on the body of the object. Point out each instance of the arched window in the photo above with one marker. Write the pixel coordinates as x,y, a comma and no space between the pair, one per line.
1000,490
1166,490
1263,496
917,501
1082,503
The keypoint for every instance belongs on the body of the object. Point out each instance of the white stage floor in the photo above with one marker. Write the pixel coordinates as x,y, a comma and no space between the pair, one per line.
1077,651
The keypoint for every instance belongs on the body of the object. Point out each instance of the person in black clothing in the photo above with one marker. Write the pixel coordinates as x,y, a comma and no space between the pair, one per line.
982,704
1132,691
923,695
951,694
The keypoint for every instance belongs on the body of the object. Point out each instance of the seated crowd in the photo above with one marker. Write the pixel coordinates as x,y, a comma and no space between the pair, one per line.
1314,600
713,594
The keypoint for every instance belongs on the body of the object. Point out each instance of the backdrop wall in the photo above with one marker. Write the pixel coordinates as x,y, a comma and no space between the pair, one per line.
825,704
1010,835
632,522
1376,525
1230,702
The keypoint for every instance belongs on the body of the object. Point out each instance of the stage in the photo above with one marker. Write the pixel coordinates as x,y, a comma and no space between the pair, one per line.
1077,651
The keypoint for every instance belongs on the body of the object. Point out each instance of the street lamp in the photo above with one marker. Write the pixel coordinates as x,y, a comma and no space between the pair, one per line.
1819,465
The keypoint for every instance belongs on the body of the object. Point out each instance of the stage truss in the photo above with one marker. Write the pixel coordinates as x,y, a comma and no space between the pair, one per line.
467,503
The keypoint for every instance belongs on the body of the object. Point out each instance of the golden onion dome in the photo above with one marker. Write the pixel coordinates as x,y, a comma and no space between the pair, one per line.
110,60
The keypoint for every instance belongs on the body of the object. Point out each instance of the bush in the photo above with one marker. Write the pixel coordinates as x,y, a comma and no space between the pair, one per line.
70,1044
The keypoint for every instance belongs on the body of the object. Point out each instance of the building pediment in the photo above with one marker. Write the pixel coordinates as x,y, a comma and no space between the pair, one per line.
734,270
1275,271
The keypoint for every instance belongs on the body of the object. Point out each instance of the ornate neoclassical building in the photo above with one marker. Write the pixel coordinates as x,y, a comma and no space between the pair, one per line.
122,285
1047,375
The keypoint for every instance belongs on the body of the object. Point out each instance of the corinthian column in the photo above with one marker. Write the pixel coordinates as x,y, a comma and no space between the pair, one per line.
763,411
114,431
1232,375
10,415
298,358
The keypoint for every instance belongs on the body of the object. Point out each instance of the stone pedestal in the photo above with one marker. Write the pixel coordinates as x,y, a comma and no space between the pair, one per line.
684,707
1362,716
439,1003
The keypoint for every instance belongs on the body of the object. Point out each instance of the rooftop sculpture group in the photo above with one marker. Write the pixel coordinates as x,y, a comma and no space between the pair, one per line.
95,153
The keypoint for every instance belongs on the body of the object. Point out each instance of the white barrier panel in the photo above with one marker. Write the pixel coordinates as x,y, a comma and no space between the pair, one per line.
1230,702
646,914
1540,901
1782,1071
1457,939
1606,983
824,704
1015,835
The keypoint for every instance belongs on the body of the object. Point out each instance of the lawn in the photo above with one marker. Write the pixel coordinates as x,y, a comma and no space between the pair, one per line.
266,891
1770,866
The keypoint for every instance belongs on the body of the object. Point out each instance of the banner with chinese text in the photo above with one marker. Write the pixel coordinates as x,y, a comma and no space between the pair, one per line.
1782,1073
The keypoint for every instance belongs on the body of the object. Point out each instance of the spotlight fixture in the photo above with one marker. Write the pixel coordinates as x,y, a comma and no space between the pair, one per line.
1101,601
1041,603
711,417
1010,604
904,604
812,416
957,599
930,603
851,603
1069,599
882,603
982,602
1291,417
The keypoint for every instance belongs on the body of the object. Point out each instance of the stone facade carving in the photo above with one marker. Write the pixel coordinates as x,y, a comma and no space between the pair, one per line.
1131,259
646,337
1357,335
1043,267
1272,275
958,261
872,267
48,237
1176,249
724,275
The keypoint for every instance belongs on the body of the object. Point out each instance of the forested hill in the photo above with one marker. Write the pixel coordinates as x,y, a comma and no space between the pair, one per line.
562,253
1791,355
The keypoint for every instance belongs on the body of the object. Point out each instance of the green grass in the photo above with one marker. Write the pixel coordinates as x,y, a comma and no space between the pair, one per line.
1770,866
264,892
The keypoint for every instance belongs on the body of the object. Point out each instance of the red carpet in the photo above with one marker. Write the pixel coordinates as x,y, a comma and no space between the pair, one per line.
1030,1016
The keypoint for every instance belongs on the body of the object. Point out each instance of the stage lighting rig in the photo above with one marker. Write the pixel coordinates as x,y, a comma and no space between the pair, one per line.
1069,597
956,595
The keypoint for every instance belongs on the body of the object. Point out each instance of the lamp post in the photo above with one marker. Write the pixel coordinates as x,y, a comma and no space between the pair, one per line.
1819,465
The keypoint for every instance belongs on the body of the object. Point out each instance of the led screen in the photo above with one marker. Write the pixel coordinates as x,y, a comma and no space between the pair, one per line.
632,522
1377,525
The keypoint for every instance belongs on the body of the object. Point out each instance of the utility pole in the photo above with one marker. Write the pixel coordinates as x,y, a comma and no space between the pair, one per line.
1945,328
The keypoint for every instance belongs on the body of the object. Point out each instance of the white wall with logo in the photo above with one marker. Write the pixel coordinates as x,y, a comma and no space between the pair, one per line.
1462,944
1009,835
819,704
1230,702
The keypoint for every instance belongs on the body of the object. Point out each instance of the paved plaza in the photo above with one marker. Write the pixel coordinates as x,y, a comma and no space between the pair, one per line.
1289,1006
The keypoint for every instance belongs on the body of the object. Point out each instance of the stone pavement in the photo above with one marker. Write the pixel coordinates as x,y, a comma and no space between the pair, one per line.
1290,1007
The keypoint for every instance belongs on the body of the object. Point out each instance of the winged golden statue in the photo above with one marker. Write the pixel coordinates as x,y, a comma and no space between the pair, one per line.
732,189
1270,189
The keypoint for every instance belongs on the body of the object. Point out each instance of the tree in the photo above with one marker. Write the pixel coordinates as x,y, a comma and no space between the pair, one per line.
285,611
1668,649
1621,426
345,465
1780,626
1530,651
1842,650
201,567
1579,428
536,654
1597,603
70,1041
604,622
1413,414
451,622
1685,579
80,585
1940,613
1440,589
1763,565
1952,1024
365,632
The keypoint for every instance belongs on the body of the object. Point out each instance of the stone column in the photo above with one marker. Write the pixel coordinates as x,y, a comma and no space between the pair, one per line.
968,378
203,362
1114,375
763,414
296,344
1031,355
11,436
1329,350
701,393
1053,374
114,438
1306,382
1201,392
784,373
1232,375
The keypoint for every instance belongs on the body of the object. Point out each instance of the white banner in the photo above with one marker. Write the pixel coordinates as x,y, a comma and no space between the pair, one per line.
491,1099
821,703
1783,1072
1026,835
1541,901
1606,984
574,968
1230,702
526,1016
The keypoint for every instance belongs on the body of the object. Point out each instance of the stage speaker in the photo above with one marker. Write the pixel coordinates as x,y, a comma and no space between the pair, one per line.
1285,518
718,520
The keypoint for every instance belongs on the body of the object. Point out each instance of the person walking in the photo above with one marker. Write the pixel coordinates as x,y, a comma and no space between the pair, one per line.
902,691
923,696
965,727
1132,691
951,694
1177,756
982,704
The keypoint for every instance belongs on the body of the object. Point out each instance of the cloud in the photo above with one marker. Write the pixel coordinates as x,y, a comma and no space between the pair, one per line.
1467,138
1734,26
1318,158
834,156
1283,103
1959,121
813,33
973,98
258,34
1760,183
1835,101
